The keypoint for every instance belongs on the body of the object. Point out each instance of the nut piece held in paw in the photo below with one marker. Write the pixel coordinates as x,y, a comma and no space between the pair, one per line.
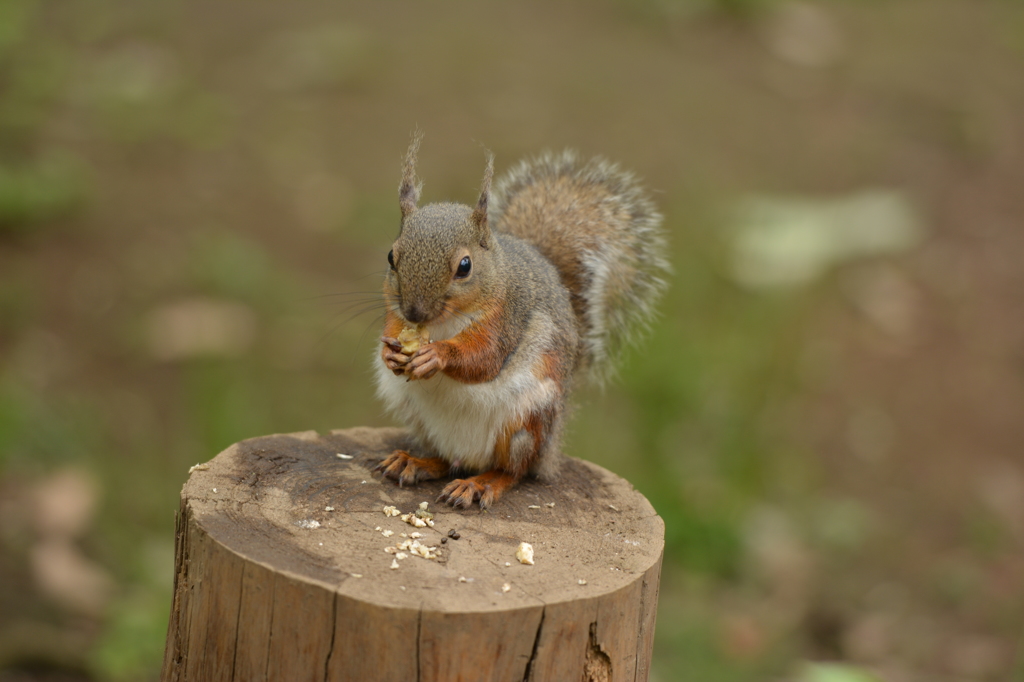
412,338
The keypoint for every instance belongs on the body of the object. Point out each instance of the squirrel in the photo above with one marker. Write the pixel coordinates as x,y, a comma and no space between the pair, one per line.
491,311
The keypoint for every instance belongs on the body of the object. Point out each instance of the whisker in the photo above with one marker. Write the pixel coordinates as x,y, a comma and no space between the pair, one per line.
362,310
337,324
456,312
373,323
342,293
375,273
364,302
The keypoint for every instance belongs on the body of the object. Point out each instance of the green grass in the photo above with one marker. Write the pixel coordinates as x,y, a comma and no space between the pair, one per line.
38,184
40,191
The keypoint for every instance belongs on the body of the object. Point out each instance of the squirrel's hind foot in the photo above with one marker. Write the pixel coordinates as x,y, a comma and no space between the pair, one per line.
405,469
485,489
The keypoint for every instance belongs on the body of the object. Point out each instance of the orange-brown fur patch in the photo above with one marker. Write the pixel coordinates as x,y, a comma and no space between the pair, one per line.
550,367
501,445
393,324
475,354
537,424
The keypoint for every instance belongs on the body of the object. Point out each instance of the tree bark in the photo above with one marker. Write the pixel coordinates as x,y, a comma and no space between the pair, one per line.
282,574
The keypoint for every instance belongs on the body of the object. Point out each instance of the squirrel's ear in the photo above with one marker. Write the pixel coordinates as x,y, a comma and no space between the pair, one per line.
409,190
479,216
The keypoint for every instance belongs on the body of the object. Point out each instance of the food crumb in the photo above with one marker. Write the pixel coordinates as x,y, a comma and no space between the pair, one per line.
214,490
341,456
549,504
613,507
387,533
424,514
525,553
462,579
377,528
415,535
356,575
506,587
308,524
199,467
391,510
394,564
581,581
414,520
534,506
507,564
328,508
401,555
402,588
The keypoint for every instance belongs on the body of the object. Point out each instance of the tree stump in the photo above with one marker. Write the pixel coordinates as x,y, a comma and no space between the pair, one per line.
281,572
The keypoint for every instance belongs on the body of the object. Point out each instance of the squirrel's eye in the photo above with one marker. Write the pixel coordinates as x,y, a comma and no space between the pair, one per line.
391,258
462,271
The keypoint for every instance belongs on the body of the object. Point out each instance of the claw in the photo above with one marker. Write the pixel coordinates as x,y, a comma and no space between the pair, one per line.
461,493
485,489
487,498
405,469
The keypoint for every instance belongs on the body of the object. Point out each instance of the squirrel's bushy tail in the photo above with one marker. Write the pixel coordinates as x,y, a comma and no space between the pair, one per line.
596,224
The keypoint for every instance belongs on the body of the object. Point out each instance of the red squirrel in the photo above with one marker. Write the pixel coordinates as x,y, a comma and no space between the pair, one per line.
492,310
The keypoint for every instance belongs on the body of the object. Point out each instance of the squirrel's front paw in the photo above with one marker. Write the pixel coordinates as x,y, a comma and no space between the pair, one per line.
393,357
426,363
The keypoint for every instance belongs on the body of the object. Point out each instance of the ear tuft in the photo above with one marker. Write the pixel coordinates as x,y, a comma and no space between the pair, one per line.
409,190
479,216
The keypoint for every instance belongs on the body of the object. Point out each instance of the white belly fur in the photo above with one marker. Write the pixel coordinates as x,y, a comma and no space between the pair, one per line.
462,421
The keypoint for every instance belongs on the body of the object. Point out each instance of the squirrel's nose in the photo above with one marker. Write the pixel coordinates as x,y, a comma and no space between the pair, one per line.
415,314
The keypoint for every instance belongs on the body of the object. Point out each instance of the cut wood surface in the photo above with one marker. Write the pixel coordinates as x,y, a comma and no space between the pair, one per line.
282,573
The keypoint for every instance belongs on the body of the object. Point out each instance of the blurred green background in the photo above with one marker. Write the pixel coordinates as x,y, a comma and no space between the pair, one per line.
196,200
